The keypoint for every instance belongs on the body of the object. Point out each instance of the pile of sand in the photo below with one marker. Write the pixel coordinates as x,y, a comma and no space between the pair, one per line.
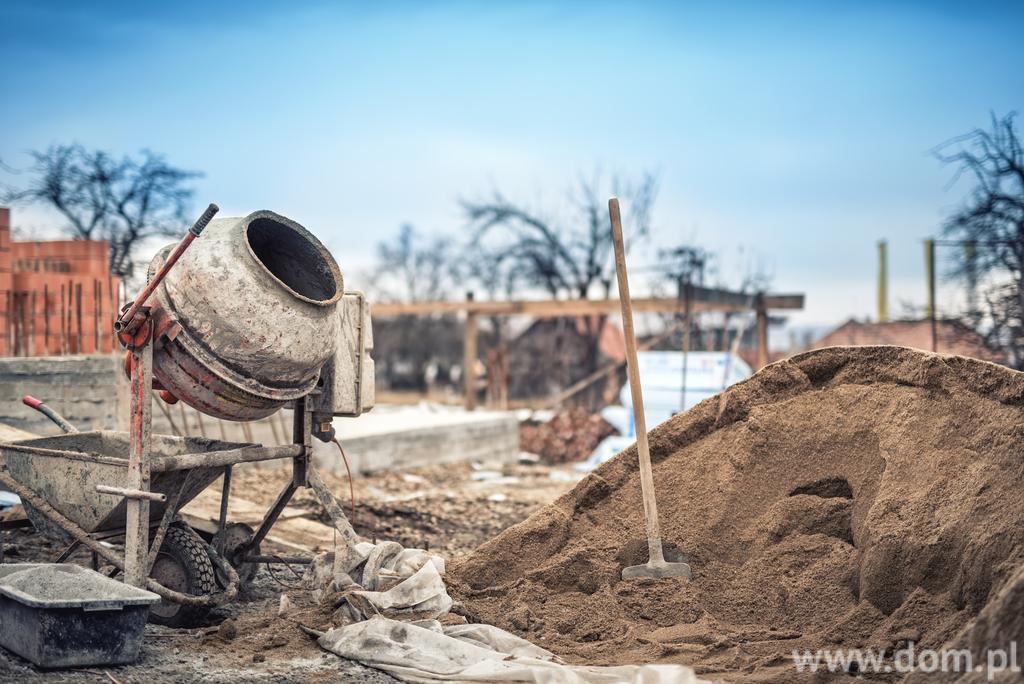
847,497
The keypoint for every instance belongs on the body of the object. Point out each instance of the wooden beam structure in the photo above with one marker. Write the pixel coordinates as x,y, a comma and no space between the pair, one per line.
469,360
699,300
735,303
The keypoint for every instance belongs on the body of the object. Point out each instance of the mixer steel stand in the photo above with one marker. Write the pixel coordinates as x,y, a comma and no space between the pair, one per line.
139,328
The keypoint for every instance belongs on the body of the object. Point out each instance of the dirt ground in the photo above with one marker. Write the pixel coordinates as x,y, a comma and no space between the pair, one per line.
449,509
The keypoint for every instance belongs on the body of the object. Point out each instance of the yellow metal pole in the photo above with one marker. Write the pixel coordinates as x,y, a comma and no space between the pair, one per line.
883,281
929,268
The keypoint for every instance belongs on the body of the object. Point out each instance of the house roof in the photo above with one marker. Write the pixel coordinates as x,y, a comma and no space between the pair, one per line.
611,344
951,337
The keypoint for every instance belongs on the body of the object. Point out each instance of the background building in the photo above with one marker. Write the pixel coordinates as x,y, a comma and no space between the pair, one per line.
56,296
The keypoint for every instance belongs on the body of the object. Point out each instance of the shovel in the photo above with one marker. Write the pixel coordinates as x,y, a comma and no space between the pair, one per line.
656,566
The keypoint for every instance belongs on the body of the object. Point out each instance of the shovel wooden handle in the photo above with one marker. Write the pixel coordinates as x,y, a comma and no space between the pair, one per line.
633,373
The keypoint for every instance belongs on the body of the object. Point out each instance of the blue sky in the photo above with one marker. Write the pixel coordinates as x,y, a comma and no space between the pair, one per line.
795,135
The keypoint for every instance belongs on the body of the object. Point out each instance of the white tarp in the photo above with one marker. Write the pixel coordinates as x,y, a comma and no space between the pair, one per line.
428,652
661,378
420,648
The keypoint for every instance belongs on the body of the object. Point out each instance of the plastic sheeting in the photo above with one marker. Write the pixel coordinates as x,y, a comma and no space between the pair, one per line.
396,629
428,652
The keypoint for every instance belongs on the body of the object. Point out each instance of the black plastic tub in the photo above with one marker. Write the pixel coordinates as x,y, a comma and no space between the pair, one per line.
68,616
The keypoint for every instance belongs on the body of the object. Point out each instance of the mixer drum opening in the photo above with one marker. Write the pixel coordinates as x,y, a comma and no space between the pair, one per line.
295,260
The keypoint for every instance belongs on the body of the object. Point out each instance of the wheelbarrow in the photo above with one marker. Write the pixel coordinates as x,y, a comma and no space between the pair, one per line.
74,490
78,476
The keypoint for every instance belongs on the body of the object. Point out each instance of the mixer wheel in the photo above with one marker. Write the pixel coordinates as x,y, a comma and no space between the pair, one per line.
182,565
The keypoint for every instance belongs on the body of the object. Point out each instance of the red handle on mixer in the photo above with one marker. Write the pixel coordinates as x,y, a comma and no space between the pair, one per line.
128,321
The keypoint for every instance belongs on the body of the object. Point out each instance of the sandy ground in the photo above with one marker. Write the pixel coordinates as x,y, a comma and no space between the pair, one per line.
449,509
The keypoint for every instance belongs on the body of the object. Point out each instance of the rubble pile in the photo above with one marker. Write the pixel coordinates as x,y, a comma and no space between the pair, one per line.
569,436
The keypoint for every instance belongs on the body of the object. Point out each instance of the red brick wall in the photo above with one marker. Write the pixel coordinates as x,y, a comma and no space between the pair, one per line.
56,297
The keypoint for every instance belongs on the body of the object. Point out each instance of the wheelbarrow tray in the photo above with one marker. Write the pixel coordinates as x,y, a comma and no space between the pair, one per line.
69,484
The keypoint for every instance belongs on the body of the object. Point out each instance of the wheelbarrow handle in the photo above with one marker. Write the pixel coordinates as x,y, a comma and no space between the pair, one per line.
38,405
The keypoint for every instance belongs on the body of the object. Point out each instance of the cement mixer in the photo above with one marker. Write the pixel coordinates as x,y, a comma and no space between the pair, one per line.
243,317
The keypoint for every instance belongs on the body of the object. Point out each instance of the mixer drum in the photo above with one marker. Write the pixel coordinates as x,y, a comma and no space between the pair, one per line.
256,299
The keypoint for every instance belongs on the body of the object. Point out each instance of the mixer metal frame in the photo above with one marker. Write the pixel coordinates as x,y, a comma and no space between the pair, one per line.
142,327
139,328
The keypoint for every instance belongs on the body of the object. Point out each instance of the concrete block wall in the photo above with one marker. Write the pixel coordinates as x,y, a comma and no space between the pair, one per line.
84,389
392,440
91,392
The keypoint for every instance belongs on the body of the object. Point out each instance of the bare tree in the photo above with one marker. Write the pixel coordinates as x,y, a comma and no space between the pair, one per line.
566,257
413,267
990,229
123,201
415,352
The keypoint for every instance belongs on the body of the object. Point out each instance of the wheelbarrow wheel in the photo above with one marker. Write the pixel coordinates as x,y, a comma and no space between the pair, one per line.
184,566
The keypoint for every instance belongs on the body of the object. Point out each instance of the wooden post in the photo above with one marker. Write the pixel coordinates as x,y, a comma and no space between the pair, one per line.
469,357
136,540
762,333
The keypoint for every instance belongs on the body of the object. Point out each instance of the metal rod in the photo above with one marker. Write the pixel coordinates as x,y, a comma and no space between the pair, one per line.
216,459
136,541
87,456
46,320
132,493
32,329
272,515
167,414
286,560
68,551
301,429
274,430
334,510
78,318
222,520
165,522
127,321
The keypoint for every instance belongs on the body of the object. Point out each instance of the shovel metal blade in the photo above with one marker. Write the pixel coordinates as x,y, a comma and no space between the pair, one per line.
656,570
